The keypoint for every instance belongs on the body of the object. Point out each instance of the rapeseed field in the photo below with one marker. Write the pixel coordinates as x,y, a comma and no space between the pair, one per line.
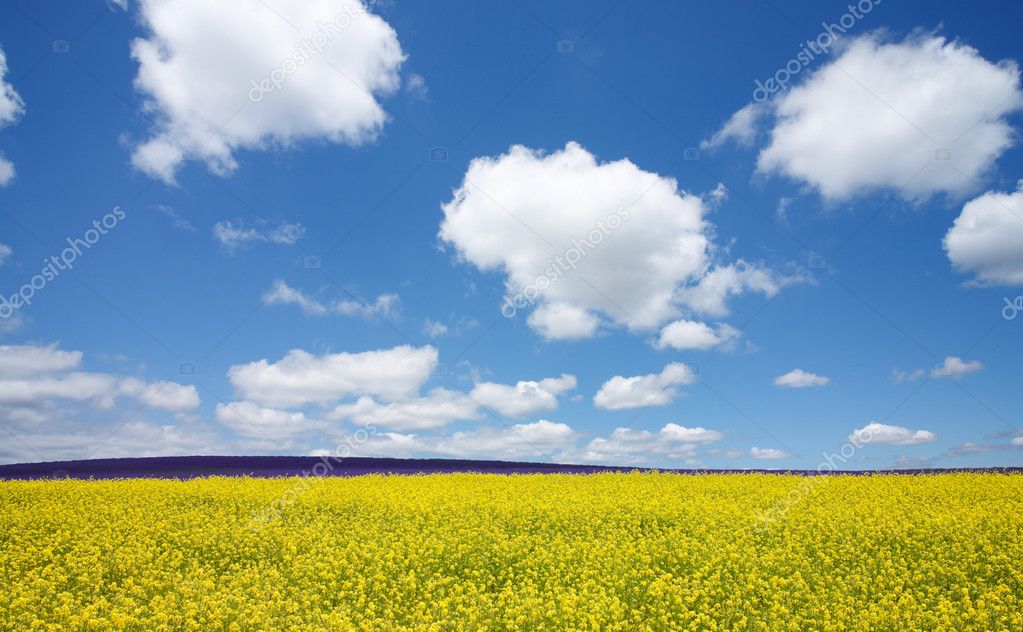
635,551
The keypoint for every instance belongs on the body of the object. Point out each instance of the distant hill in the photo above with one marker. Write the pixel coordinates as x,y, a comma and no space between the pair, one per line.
275,466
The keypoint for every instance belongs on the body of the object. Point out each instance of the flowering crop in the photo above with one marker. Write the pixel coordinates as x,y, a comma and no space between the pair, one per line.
533,552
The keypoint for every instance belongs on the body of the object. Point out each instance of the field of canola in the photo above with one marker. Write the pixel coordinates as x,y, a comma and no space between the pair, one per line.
538,552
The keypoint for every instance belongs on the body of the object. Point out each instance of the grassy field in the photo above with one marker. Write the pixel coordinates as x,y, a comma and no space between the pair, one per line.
539,552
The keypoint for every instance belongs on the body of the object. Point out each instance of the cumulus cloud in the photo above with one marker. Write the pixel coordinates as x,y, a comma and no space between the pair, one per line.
710,292
437,408
252,420
883,434
628,446
232,75
583,242
525,397
540,439
683,335
655,389
921,116
955,368
384,306
301,378
798,378
767,453
985,239
232,235
11,108
57,409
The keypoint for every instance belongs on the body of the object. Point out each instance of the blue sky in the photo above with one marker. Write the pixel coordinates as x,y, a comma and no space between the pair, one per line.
303,270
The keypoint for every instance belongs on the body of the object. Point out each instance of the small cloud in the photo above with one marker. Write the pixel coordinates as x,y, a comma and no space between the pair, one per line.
415,86
232,235
177,221
767,453
883,434
5,253
434,329
907,376
798,378
384,306
956,368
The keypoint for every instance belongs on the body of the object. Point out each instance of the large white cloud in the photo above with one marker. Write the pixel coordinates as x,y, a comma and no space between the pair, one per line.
526,397
42,375
920,116
986,239
883,434
533,441
239,74
252,420
301,378
580,240
655,389
629,446
11,107
437,408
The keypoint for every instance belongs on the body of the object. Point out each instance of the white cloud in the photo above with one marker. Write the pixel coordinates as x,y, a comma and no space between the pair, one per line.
710,292
883,434
956,368
437,408
1017,441
798,378
301,378
416,87
985,239
561,321
521,441
234,74
33,376
767,453
875,117
688,334
525,398
740,127
907,376
581,241
252,420
26,361
384,306
5,253
282,294
434,329
11,108
628,446
655,389
231,235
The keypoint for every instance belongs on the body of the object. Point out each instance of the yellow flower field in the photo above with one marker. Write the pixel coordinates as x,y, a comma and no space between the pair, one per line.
532,552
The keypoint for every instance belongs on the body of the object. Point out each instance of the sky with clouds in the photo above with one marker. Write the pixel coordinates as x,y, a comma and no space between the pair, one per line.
724,235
